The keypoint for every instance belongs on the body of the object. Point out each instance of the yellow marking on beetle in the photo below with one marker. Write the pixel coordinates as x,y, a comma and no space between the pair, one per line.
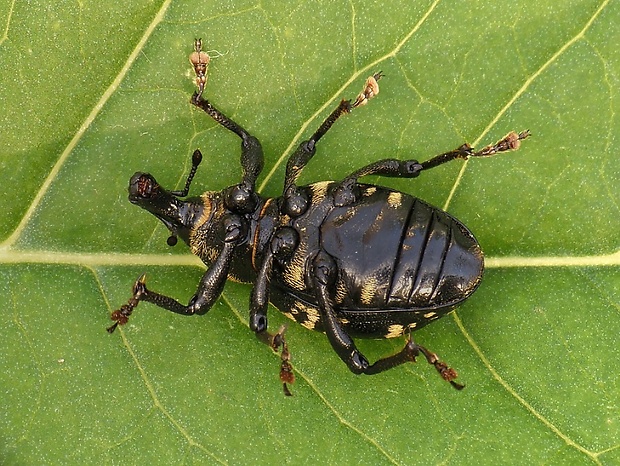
295,271
395,199
369,290
312,314
308,324
319,191
196,235
430,315
394,331
370,191
306,315
412,325
201,247
341,292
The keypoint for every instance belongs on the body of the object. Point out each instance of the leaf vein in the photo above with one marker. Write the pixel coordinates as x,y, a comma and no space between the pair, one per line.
7,26
546,422
51,177
521,91
354,76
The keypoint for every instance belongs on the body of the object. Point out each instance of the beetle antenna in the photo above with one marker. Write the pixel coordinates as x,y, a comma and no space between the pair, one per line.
196,159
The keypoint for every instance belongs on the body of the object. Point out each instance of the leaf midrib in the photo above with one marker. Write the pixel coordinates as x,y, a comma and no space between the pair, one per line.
15,256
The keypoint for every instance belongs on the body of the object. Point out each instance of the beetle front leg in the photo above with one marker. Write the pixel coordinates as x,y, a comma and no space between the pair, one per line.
242,199
209,289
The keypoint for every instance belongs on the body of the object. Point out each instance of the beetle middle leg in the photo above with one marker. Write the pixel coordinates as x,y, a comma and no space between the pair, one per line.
209,289
283,243
275,341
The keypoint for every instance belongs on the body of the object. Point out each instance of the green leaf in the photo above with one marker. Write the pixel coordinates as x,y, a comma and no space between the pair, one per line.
92,92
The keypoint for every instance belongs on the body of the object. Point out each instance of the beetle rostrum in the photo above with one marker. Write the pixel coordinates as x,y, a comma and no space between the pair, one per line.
342,257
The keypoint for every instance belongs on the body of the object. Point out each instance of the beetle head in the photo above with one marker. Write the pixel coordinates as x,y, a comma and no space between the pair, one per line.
176,214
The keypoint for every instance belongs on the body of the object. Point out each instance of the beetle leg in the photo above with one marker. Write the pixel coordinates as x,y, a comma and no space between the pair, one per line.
323,276
408,354
275,341
511,141
347,191
282,244
295,201
209,288
323,272
251,150
307,149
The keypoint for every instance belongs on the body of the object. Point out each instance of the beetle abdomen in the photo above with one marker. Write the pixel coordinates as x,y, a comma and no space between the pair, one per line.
396,251
440,262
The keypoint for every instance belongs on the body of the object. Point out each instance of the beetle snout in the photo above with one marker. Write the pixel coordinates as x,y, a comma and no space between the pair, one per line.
142,186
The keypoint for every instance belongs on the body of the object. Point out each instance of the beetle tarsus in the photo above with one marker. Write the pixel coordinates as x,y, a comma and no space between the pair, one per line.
371,89
446,372
200,61
121,315
287,376
512,141
275,342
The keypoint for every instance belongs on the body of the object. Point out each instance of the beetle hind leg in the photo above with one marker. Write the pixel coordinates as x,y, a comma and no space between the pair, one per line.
409,354
323,276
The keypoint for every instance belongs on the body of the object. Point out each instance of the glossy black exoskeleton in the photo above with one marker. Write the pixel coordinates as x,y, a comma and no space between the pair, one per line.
342,257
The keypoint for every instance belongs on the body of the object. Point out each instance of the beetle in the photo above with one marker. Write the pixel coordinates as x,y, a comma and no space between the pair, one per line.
342,257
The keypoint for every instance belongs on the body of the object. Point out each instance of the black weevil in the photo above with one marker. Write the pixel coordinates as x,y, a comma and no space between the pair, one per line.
342,257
